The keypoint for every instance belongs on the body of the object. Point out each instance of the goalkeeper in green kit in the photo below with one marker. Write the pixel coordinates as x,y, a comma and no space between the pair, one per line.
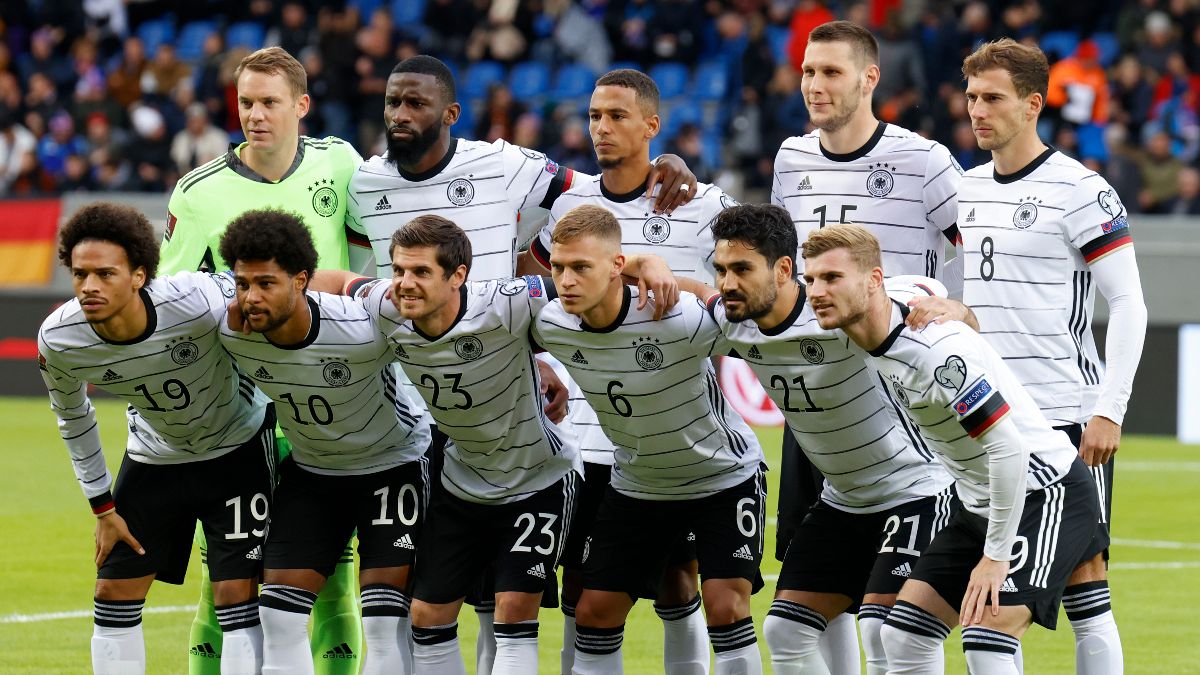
274,168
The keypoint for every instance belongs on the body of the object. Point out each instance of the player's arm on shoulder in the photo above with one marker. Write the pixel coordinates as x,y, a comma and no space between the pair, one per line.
673,174
336,282
928,302
654,278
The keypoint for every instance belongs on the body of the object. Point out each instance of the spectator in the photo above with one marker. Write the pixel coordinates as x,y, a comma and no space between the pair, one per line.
628,24
18,151
900,61
77,176
975,28
580,37
1078,92
500,37
574,149
1123,168
1131,23
1131,95
42,97
166,71
500,113
1159,43
808,15
209,90
371,69
1187,201
103,140
527,131
198,142
293,33
150,151
1160,174
55,147
689,145
450,23
964,147
675,30
43,59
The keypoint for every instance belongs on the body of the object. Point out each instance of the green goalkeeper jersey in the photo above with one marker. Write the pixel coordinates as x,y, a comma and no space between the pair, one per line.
209,197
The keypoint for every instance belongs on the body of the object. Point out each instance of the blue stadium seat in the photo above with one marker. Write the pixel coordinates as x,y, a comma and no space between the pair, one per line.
1109,48
465,126
675,115
672,79
407,12
622,65
190,45
156,32
247,34
479,75
1059,44
710,150
364,7
711,81
529,80
777,37
573,80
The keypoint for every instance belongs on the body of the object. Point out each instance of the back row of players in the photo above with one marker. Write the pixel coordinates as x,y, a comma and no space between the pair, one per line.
511,482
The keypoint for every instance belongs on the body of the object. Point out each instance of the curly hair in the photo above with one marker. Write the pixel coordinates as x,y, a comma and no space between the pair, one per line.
429,65
766,228
122,225
270,234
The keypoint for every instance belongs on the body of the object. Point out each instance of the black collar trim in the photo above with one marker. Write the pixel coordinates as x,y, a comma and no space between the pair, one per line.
1005,179
859,153
462,311
151,321
314,327
242,169
623,198
626,296
892,336
791,318
435,170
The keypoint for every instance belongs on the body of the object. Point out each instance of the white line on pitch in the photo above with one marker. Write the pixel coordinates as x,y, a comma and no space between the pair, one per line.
85,613
1153,543
1158,466
1115,566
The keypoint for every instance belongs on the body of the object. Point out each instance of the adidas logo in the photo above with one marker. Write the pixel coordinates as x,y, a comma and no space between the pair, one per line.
805,184
205,651
691,536
262,373
404,542
577,357
382,204
538,570
1008,586
971,216
903,571
744,553
754,353
110,375
341,651
255,554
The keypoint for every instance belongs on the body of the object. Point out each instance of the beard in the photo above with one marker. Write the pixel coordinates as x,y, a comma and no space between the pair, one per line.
843,116
402,153
752,309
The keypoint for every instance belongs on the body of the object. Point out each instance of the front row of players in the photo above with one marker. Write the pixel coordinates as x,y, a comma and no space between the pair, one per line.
893,415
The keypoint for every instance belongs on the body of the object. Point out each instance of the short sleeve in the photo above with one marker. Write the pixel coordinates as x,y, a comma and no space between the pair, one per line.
905,287
706,337
715,201
219,289
531,178
520,299
1099,225
540,246
942,176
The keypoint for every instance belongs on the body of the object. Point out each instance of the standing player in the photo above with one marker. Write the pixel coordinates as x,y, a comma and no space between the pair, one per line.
152,342
686,463
1042,232
885,495
358,459
1029,511
857,169
624,119
278,167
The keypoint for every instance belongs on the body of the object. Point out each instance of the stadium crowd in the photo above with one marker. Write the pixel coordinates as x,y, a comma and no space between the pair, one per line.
115,96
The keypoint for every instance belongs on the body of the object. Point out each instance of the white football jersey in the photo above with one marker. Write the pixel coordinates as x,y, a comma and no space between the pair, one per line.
335,392
873,457
956,387
684,240
187,399
481,386
1029,238
656,394
900,186
479,186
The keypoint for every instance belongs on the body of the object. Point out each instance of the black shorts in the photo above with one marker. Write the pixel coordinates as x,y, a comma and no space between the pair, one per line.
800,485
1059,530
854,554
316,514
162,502
1103,477
519,543
596,478
633,539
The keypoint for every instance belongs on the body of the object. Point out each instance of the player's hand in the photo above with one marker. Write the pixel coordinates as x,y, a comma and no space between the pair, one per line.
986,579
924,310
111,529
655,277
673,173
1101,438
554,392
235,319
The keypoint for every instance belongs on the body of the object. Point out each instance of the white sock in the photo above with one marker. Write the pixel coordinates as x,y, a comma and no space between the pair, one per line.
435,650
792,632
736,647
516,648
1019,660
117,644
241,637
485,643
685,639
566,655
913,641
870,620
839,646
1097,641
598,651
989,652
284,612
384,610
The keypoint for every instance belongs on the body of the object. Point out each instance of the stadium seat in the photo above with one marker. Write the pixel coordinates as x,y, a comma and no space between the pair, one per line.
573,80
711,151
190,45
246,34
711,81
156,32
621,65
1059,43
479,75
364,7
1109,48
675,115
777,37
672,79
529,80
406,13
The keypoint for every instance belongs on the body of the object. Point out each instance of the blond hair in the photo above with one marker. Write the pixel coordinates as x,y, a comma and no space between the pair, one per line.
584,221
276,61
858,240
1027,66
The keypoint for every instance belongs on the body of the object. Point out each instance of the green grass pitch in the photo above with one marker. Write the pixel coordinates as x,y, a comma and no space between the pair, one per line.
46,564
